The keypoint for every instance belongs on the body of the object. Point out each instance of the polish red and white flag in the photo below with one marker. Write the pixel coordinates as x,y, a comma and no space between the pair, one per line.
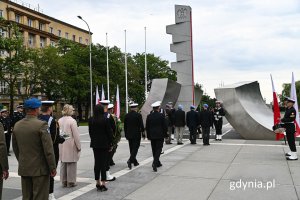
276,111
294,96
117,104
102,94
97,96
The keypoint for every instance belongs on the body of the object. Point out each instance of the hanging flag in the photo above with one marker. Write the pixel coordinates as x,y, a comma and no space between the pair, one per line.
102,94
294,96
276,111
97,96
117,104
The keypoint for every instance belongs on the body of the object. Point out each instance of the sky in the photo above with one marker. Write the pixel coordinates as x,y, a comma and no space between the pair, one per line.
233,40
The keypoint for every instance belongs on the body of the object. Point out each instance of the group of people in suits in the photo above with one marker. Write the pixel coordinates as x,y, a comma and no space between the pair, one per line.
39,141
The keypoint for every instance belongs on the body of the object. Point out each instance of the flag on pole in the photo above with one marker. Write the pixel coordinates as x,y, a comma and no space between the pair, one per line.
294,96
276,110
97,96
102,94
117,104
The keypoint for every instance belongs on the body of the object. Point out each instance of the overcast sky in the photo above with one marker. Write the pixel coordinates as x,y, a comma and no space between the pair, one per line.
234,40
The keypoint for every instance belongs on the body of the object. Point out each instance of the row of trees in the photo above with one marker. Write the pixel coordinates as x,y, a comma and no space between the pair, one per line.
61,73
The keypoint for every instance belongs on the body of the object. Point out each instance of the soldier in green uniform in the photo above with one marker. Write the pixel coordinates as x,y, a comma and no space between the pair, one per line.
3,159
32,145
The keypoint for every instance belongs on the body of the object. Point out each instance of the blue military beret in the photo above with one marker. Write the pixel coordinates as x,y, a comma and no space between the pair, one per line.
32,103
205,105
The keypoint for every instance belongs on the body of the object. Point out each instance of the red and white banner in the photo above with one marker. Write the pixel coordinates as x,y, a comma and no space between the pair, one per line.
276,111
117,103
294,96
97,96
102,94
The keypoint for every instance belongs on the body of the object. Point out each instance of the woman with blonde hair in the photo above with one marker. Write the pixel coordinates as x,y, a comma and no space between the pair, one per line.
69,151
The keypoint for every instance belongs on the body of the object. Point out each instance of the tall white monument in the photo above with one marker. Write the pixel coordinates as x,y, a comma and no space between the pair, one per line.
182,45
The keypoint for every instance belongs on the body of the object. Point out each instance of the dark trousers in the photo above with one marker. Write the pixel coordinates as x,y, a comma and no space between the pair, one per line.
7,140
100,157
206,132
218,126
290,135
56,154
193,133
156,145
134,145
112,153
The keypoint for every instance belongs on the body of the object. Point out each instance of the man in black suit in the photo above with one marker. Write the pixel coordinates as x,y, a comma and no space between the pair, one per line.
192,121
156,127
134,129
206,121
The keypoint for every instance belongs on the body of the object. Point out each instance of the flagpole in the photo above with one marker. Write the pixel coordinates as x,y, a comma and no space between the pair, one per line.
126,86
146,80
107,68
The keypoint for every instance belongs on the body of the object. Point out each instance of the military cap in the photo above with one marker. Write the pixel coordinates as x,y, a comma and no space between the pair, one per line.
205,105
110,106
180,107
192,107
156,104
20,106
105,102
3,110
133,105
32,103
291,100
47,103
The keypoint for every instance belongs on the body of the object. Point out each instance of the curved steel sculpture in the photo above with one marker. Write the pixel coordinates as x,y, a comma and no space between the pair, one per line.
163,90
246,110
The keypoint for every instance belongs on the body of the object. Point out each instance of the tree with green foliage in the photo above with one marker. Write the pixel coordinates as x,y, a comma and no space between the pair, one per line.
14,61
286,91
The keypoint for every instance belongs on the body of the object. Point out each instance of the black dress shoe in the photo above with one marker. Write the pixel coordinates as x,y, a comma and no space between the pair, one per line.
103,188
98,187
129,164
159,165
8,154
179,143
136,164
112,163
287,154
154,168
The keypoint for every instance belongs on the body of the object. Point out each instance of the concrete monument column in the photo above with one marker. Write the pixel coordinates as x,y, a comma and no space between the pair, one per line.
182,45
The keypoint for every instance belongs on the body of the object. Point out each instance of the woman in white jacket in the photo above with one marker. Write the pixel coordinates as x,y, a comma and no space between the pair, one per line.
69,151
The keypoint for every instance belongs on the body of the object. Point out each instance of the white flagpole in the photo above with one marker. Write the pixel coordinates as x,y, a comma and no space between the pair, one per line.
107,68
146,80
126,86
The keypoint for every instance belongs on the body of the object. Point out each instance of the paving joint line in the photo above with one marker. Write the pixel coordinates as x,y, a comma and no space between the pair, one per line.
291,175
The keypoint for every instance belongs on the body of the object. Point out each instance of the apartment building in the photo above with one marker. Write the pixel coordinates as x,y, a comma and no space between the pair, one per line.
38,29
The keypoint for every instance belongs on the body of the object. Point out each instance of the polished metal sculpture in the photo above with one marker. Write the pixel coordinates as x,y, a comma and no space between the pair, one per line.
163,90
246,110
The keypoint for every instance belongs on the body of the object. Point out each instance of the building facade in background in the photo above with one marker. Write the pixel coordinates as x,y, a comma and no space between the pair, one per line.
39,30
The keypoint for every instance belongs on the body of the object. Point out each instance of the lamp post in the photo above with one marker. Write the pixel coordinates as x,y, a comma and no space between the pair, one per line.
91,80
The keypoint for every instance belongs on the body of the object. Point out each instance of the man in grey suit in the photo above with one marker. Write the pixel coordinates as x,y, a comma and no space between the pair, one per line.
3,159
32,145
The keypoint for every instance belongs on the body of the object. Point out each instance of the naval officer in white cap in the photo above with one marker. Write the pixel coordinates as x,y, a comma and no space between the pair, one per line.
156,127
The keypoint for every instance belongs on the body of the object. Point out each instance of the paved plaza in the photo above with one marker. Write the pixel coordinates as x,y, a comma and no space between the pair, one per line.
231,169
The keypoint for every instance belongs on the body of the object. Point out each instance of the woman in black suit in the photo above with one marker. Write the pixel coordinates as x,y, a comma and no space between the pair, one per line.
101,141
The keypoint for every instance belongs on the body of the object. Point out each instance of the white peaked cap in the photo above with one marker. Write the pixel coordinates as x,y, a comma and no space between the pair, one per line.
156,104
105,102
